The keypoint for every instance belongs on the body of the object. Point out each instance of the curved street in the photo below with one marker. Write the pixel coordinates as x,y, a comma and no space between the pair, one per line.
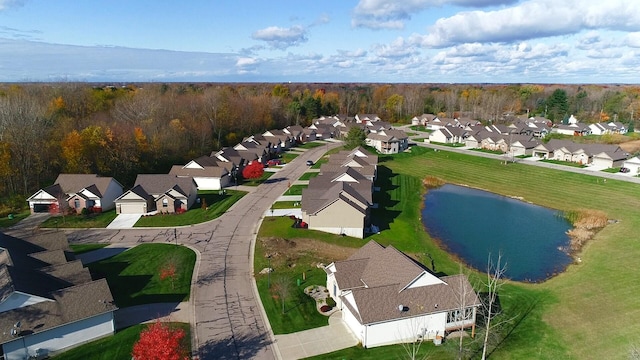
228,319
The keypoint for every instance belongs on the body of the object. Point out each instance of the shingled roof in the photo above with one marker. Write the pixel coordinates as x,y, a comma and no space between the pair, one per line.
72,183
381,280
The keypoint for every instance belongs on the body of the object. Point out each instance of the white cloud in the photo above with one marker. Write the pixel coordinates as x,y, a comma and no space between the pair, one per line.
281,38
6,4
246,61
633,40
391,14
352,54
532,19
396,49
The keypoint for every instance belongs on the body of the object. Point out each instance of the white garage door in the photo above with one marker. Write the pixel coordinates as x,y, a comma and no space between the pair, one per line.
603,163
132,209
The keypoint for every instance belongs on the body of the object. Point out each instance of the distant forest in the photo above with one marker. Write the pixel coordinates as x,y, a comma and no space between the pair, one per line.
121,130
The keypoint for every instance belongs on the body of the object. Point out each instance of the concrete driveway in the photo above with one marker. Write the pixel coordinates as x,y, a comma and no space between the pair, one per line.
124,221
326,339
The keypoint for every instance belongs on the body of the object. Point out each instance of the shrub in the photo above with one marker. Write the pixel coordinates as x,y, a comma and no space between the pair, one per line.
331,302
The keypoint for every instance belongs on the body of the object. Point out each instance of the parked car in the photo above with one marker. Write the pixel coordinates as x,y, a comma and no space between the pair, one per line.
274,162
309,163
624,170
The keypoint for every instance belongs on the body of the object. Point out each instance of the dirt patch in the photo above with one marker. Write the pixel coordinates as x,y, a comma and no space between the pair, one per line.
586,224
285,252
631,146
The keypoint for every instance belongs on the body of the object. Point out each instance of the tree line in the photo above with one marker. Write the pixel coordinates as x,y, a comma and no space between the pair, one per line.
121,130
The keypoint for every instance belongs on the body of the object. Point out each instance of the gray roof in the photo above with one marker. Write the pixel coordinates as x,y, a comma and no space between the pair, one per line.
208,171
316,199
325,181
72,183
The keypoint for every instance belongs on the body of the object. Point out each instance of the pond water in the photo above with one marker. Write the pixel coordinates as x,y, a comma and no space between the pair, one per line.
472,223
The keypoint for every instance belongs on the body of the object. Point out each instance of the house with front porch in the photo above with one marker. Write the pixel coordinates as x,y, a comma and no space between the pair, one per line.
162,193
205,172
386,297
77,191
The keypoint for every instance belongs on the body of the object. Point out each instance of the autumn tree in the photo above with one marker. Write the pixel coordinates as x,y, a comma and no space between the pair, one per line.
168,271
160,342
254,170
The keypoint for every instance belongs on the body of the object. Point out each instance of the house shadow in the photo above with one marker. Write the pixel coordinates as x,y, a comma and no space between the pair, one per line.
239,346
384,215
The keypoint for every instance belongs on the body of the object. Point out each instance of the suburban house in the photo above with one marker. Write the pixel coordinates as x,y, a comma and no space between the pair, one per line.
77,191
364,118
388,141
608,128
388,298
633,164
601,155
163,193
205,172
449,135
49,301
422,119
574,129
339,200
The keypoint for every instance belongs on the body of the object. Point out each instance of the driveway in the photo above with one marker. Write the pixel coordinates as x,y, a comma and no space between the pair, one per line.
124,221
326,339
229,319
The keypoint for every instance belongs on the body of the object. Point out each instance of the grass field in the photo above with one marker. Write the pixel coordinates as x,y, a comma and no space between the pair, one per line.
116,347
5,221
216,205
100,220
591,310
134,276
295,190
309,175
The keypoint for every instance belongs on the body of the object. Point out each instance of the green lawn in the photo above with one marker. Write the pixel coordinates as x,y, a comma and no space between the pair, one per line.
449,144
419,140
613,170
295,190
116,347
419,128
134,275
5,221
287,157
311,145
84,248
100,220
216,205
285,205
309,175
281,227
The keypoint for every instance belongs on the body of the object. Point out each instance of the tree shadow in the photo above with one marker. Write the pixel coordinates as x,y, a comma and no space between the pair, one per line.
240,346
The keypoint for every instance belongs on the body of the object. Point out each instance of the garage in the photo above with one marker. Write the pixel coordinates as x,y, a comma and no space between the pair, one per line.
40,208
131,208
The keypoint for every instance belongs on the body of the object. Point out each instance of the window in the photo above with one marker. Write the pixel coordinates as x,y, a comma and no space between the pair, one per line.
457,315
76,203
165,203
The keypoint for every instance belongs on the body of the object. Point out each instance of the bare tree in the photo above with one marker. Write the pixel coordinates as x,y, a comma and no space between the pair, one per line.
495,280
416,330
283,287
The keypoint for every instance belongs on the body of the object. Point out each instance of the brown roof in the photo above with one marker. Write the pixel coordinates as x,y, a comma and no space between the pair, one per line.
208,171
386,274
156,184
316,199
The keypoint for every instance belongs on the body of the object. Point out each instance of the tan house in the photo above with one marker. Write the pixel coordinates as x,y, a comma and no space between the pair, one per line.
388,298
162,193
206,173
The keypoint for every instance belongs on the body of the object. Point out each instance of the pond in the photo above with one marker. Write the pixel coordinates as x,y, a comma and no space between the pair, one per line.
472,223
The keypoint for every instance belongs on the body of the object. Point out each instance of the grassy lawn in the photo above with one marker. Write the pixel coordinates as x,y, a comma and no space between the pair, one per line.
300,309
285,205
5,222
409,133
84,248
309,175
216,205
116,347
497,152
612,170
287,157
260,180
311,145
449,144
419,128
565,163
100,220
134,275
419,140
295,190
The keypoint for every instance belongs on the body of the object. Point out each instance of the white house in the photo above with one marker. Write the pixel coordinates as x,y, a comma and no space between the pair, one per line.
77,191
48,304
205,172
387,298
633,164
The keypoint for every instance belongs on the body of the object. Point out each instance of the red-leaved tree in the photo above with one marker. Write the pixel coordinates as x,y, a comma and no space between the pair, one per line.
160,342
254,170
168,271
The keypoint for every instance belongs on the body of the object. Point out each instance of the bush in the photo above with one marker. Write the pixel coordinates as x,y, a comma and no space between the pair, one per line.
331,302
325,308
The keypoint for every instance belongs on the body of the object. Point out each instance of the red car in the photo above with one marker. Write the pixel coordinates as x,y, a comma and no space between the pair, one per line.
274,162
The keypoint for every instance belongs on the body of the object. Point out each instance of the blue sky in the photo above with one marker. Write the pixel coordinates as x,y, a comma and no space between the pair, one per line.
426,41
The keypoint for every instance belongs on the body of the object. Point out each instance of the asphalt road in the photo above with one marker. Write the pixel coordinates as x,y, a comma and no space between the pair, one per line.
229,322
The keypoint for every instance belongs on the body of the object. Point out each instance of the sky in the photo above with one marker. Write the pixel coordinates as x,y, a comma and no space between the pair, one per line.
370,41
